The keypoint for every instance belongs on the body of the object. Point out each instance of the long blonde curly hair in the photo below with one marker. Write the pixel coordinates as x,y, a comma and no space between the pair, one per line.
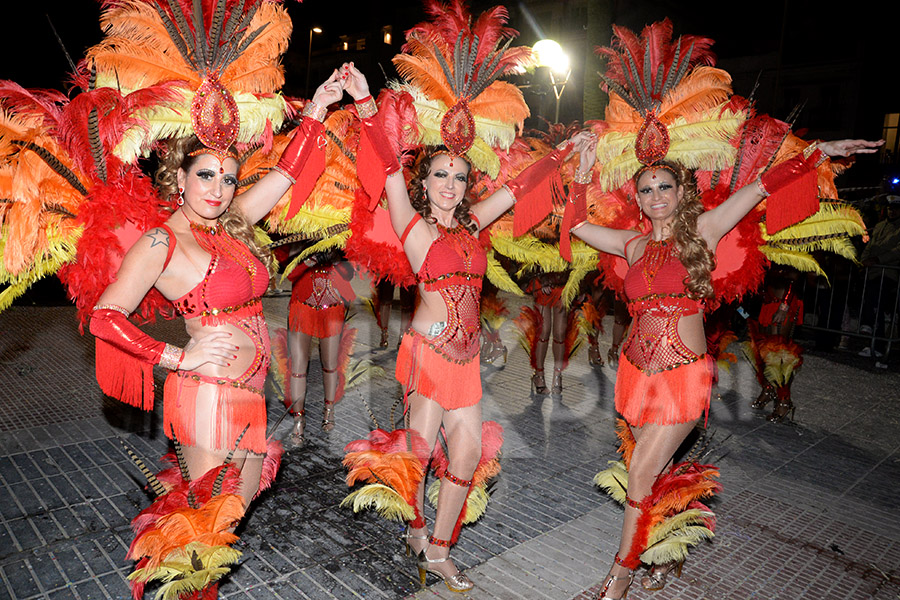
693,252
178,156
419,200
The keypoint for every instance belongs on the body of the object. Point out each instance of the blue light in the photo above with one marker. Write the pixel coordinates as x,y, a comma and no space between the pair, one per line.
895,180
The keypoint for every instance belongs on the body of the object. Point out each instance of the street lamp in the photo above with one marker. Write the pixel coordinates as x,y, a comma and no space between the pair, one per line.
550,54
309,57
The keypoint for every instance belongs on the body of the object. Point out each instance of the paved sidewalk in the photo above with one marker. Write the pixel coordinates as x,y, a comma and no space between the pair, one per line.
809,510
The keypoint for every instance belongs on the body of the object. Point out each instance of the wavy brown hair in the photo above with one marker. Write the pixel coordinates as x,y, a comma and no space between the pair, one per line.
177,156
419,200
693,252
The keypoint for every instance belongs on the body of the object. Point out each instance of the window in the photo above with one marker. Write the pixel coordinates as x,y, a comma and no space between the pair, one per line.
361,44
889,135
386,34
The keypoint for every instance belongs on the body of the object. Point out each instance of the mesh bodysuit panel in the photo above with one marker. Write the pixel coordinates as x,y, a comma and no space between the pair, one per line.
454,267
657,300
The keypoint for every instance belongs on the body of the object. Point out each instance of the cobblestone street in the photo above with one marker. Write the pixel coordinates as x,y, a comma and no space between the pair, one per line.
809,509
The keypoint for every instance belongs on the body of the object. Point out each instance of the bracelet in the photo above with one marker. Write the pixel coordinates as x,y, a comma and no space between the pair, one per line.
584,178
171,357
811,149
366,107
114,307
761,187
314,111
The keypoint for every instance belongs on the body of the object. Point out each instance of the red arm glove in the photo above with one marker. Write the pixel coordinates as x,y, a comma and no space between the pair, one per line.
303,161
792,189
535,189
375,159
575,215
125,357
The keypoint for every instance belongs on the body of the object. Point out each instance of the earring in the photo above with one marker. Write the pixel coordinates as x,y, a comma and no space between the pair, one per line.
180,199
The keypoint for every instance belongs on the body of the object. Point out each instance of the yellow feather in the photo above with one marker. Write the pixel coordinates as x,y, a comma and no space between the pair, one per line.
388,503
476,504
675,546
798,260
499,276
614,479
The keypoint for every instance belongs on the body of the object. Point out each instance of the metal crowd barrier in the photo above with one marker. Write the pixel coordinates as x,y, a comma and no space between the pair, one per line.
859,303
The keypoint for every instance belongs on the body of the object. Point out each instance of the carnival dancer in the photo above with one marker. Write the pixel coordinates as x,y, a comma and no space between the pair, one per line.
319,297
438,361
664,377
547,288
774,354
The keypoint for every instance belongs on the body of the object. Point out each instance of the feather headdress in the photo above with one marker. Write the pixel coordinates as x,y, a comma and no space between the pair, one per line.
224,57
451,65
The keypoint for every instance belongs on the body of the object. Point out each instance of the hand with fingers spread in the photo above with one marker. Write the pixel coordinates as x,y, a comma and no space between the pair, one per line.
215,348
849,147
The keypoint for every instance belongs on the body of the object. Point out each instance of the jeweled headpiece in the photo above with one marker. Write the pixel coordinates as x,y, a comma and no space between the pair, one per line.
452,64
665,103
208,68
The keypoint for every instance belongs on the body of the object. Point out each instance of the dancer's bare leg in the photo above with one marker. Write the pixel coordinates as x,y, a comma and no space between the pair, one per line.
329,356
425,417
560,318
463,431
298,348
654,447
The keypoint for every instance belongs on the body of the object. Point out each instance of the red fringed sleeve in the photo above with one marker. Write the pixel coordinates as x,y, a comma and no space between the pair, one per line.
535,189
303,161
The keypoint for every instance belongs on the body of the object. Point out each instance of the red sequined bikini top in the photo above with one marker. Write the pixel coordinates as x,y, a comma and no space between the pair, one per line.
658,277
235,279
454,258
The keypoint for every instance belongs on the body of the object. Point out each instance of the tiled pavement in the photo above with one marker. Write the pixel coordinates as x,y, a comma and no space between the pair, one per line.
808,510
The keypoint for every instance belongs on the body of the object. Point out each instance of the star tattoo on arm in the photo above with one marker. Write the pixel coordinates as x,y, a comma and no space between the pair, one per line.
159,236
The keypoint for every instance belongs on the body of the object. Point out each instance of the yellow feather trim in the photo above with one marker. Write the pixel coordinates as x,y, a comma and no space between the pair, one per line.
476,503
792,258
499,276
388,503
674,547
614,479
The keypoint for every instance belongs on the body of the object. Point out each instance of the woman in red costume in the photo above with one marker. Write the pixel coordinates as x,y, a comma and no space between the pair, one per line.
205,260
547,290
438,360
319,296
664,378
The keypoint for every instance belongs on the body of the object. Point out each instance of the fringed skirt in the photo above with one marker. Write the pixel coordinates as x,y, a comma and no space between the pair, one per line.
316,322
212,413
424,369
678,395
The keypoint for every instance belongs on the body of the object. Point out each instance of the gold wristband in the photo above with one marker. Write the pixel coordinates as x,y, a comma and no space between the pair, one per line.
584,178
171,357
314,111
114,307
761,187
367,108
506,187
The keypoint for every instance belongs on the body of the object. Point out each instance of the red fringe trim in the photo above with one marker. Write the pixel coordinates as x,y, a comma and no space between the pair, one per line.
234,408
675,396
123,377
315,322
793,202
535,204
422,370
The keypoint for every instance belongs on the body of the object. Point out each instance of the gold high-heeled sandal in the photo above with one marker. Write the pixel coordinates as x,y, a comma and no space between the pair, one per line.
406,536
458,582
781,412
295,439
655,577
556,386
328,412
538,384
611,579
